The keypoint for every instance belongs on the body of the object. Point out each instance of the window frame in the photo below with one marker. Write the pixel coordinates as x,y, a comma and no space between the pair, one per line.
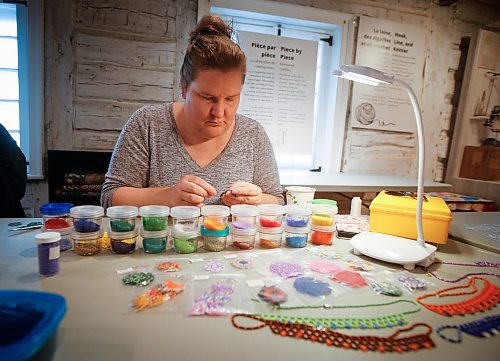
330,134
29,19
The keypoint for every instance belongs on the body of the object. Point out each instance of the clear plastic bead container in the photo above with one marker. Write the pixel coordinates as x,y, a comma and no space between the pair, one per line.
56,216
270,216
185,219
296,237
243,217
87,244
66,242
154,242
243,238
322,236
185,242
270,237
122,218
123,242
323,215
87,219
154,218
214,217
214,240
298,216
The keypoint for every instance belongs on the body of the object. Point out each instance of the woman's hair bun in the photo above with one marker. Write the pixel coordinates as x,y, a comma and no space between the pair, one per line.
210,25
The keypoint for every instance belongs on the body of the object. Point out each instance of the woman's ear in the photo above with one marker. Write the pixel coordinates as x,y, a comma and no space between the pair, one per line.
183,90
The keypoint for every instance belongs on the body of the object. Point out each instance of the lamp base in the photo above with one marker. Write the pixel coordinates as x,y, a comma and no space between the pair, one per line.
392,249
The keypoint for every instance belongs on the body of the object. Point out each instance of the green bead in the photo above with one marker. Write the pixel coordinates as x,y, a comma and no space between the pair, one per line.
121,225
152,224
154,245
185,245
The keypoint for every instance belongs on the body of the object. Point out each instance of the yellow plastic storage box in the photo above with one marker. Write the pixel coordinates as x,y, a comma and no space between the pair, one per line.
395,215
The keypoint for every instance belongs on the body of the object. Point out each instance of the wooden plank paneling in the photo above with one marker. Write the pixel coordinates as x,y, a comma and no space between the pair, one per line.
98,114
102,81
129,53
143,17
93,140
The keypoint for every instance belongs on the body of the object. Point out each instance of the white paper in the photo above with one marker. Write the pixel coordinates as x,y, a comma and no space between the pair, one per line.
279,88
393,48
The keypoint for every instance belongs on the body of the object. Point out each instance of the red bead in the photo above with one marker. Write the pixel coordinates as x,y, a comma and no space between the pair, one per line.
329,342
56,223
313,338
381,348
346,345
283,333
363,348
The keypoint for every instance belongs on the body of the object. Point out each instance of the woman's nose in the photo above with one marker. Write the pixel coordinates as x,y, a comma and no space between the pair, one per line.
218,109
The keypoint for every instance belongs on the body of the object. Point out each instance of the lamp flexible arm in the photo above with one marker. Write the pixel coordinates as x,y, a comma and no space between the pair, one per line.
421,158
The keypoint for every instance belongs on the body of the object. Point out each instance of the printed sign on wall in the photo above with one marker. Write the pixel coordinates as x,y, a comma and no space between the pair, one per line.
396,49
279,88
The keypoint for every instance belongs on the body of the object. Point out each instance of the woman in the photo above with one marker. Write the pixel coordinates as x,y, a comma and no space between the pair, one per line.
199,151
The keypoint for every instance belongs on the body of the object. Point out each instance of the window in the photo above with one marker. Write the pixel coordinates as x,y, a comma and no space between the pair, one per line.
330,32
21,79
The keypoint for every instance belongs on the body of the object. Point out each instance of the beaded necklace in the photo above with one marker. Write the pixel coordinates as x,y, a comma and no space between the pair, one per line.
392,343
485,327
484,299
481,264
387,321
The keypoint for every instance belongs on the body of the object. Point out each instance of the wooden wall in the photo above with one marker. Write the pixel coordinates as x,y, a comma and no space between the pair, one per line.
106,58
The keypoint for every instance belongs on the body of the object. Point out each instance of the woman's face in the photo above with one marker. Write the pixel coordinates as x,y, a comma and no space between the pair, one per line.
211,101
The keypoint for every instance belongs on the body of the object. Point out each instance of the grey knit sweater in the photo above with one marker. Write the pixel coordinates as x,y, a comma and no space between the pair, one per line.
149,153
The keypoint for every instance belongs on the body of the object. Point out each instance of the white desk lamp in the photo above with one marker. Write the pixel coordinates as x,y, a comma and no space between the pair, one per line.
388,248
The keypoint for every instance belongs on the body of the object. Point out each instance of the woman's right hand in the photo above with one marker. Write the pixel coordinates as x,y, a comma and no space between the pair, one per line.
190,191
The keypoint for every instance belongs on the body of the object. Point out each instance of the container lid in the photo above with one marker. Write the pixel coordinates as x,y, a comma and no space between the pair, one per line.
123,235
325,209
154,211
47,237
49,209
34,315
177,233
326,229
296,210
323,201
244,210
122,211
87,236
271,209
154,234
62,231
212,233
86,211
291,229
215,210
274,230
185,212
406,204
244,231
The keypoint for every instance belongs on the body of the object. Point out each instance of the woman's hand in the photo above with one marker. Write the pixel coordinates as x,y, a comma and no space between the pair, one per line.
242,193
190,191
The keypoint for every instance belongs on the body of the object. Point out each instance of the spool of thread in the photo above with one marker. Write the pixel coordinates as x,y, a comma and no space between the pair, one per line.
356,207
48,253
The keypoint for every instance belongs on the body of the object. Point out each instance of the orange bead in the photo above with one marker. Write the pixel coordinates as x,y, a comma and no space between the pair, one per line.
313,338
283,333
329,342
213,225
381,348
299,334
363,348
346,345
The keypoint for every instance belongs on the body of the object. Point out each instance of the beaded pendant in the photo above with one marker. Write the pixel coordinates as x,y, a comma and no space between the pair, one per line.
392,343
484,299
485,327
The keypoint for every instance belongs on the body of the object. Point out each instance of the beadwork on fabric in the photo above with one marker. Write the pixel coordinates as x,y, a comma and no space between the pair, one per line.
392,343
486,327
484,299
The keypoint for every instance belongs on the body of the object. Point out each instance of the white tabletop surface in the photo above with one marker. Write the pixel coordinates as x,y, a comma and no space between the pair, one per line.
354,182
463,224
99,325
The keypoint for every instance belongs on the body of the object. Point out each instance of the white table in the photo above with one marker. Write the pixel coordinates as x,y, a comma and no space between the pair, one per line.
98,324
354,182
460,228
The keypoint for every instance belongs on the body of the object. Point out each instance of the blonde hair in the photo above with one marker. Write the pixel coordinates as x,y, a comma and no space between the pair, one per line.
211,47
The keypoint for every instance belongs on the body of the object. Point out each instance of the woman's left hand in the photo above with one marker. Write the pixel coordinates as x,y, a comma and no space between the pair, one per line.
242,193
